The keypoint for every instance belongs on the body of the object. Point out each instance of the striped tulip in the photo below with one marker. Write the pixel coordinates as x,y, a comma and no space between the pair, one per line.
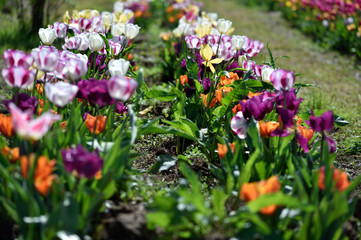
18,77
121,88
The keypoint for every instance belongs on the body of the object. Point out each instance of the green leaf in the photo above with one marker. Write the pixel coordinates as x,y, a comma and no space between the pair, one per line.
161,95
192,68
339,121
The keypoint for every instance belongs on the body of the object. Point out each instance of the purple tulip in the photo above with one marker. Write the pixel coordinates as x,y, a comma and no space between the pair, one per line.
282,80
287,117
45,60
17,58
331,144
256,107
323,123
95,92
84,163
72,43
292,102
121,109
303,143
18,77
193,42
60,29
206,85
24,102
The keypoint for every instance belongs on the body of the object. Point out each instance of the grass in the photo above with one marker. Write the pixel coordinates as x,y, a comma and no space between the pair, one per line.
337,76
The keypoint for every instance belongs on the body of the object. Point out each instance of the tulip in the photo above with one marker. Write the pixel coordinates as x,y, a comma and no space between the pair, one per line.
60,93
239,125
266,73
223,149
60,29
17,58
203,29
131,30
223,91
12,155
24,102
339,178
282,80
107,19
95,124
118,7
47,35
6,126
85,24
207,53
223,25
18,77
266,128
121,87
27,127
45,60
323,123
206,102
72,43
121,109
239,42
96,42
74,69
193,42
117,29
95,92
251,191
242,59
82,162
118,67
115,47
42,175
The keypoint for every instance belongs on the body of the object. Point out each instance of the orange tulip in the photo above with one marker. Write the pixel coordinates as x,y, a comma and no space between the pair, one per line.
237,108
184,79
251,94
63,125
266,128
42,175
6,126
306,132
171,19
179,15
205,102
251,191
138,14
40,88
11,154
339,177
169,9
223,149
221,91
97,123
232,77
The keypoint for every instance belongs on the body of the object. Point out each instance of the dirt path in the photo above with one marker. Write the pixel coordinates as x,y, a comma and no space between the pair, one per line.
335,74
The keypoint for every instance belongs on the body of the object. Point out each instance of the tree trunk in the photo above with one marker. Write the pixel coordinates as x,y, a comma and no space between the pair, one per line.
37,15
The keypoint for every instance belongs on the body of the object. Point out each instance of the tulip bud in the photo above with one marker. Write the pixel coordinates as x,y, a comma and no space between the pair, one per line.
60,93
223,25
118,67
115,47
121,88
107,19
47,35
94,13
60,29
239,42
282,80
117,29
131,30
241,60
96,42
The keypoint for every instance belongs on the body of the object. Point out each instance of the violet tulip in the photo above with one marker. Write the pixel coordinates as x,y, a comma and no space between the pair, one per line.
257,107
17,58
323,123
28,127
121,109
84,163
60,93
121,88
282,80
24,102
18,77
95,92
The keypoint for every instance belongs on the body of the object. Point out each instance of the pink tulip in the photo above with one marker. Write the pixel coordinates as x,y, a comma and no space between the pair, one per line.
193,42
61,29
16,58
18,77
28,127
116,47
45,60
60,93
282,80
74,69
121,88
72,43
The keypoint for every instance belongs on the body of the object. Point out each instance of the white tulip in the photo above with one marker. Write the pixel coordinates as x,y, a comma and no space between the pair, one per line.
223,25
117,29
241,60
118,7
107,19
118,67
131,30
96,42
213,16
60,93
239,42
266,73
47,35
94,13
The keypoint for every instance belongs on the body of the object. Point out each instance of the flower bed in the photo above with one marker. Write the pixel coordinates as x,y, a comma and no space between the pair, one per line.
76,113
